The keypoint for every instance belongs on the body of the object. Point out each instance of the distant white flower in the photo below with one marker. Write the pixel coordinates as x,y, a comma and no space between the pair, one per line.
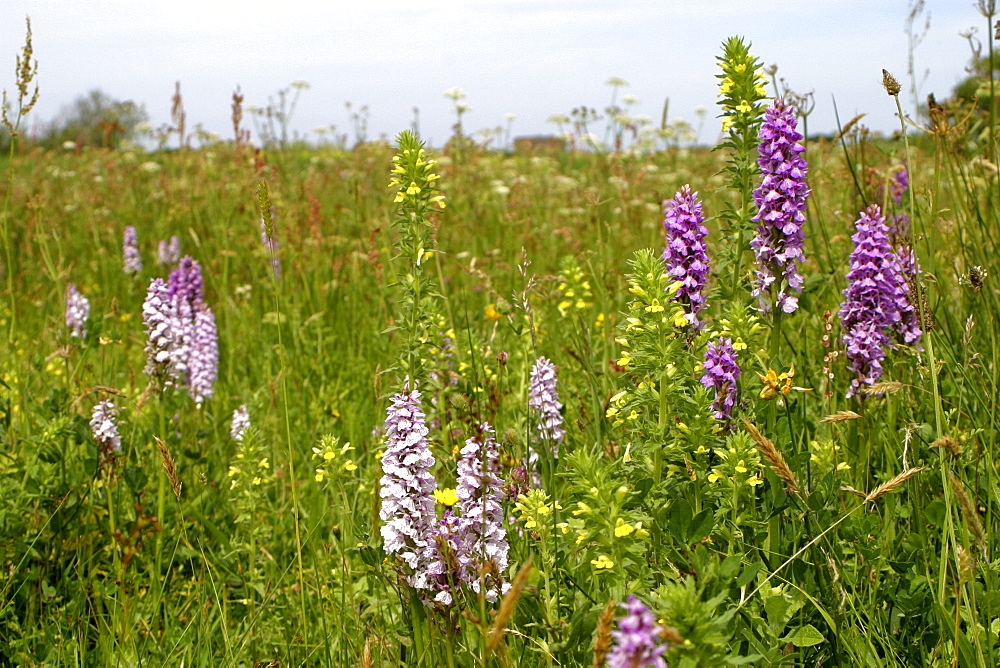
241,422
630,99
455,94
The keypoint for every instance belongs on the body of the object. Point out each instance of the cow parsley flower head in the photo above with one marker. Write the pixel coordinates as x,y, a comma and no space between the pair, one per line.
407,488
637,641
781,210
543,398
721,373
77,312
482,540
685,253
876,306
131,258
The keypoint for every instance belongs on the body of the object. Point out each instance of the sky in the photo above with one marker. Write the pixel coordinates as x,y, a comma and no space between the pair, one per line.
529,58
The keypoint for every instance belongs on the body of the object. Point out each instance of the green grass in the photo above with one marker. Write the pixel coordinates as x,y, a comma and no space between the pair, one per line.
738,570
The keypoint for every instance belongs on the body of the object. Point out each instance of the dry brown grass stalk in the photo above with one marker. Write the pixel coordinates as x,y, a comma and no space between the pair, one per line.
507,607
366,654
170,467
885,387
602,639
949,443
775,459
969,511
841,416
892,485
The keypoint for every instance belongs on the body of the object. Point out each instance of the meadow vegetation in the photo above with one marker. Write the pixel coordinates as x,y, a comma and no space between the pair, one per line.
709,472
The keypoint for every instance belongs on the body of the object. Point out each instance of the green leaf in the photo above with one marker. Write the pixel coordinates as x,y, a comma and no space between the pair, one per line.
805,636
680,520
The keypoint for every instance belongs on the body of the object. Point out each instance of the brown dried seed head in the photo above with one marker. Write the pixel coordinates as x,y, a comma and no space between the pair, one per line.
507,607
841,416
885,387
170,467
892,485
890,84
602,639
969,511
950,443
775,458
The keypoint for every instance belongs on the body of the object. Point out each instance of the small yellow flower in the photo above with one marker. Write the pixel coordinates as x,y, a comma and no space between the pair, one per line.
491,313
414,189
446,497
350,466
602,562
623,528
655,307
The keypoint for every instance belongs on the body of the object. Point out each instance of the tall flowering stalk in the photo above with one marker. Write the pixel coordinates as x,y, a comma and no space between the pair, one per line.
131,258
77,312
741,92
482,540
685,254
182,339
239,424
104,428
781,211
407,485
418,203
722,373
269,237
169,252
636,640
876,307
164,362
543,399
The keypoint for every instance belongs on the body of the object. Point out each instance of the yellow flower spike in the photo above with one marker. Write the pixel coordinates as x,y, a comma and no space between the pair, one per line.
602,562
622,528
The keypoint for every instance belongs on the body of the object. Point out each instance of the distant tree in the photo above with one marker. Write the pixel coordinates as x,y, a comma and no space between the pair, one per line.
94,119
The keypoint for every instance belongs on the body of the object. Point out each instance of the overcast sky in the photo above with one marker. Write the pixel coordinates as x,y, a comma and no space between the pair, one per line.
530,58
